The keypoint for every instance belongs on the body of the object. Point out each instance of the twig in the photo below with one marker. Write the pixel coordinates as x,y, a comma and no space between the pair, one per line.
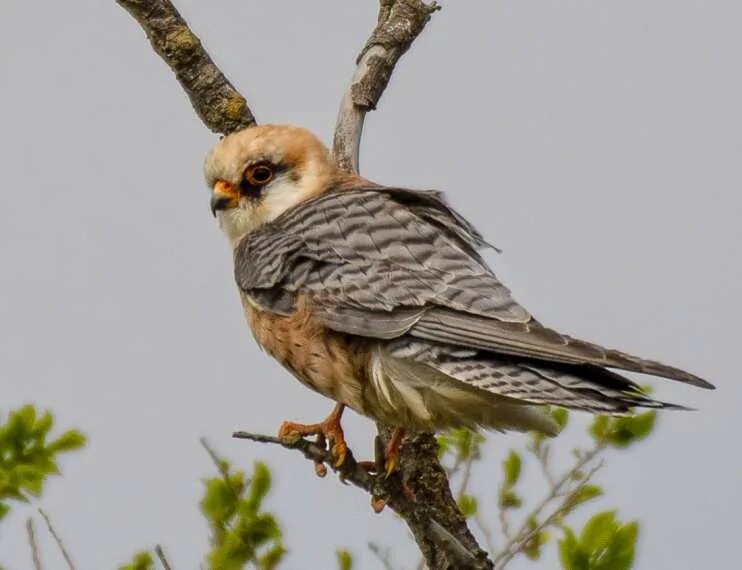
163,559
215,100
510,549
399,24
519,544
542,454
33,544
382,556
57,539
219,465
466,476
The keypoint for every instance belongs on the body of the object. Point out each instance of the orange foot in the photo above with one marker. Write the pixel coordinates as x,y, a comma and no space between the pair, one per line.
328,429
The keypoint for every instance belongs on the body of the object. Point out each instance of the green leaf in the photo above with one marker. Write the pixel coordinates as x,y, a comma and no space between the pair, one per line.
511,467
509,499
272,558
68,441
532,548
468,505
141,561
626,431
560,416
259,486
569,550
444,445
584,494
3,510
345,559
599,428
619,555
598,532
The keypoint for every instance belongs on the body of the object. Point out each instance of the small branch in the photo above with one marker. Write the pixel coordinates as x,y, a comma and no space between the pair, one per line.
436,541
399,24
382,555
57,539
33,544
521,543
215,100
163,559
518,540
221,467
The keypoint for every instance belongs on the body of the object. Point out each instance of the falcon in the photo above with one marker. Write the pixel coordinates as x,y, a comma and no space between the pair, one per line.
378,298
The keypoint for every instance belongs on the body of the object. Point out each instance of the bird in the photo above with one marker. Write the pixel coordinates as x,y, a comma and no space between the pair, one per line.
379,298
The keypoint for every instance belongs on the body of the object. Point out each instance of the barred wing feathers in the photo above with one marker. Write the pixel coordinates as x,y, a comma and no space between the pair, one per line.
388,263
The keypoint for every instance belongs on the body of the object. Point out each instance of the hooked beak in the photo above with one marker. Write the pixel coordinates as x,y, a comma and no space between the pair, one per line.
224,196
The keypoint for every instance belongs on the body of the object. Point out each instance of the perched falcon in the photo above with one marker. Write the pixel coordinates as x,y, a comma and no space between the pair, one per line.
377,297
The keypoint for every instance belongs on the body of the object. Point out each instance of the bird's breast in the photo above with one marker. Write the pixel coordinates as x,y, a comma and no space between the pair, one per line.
328,362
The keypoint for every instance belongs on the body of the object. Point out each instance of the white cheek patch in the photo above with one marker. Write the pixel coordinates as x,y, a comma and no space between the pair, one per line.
239,221
280,195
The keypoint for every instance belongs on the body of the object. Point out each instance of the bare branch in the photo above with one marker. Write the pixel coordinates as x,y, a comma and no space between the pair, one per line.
163,559
399,24
57,539
33,544
215,100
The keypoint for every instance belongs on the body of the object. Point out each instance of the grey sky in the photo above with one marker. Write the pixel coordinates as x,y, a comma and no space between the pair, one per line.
597,143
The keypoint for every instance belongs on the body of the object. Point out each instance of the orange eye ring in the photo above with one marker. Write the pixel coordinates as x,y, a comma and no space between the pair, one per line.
259,174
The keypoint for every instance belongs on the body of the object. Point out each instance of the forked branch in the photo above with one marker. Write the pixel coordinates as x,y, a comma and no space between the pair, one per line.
433,516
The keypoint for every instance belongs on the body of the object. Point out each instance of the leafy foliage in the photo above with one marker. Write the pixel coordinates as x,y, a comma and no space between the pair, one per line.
241,532
29,455
345,559
140,561
604,544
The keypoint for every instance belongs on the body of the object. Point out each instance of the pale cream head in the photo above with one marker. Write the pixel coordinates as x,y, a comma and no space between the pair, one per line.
258,173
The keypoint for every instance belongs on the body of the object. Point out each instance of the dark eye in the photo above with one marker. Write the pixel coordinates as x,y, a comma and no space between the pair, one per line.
259,174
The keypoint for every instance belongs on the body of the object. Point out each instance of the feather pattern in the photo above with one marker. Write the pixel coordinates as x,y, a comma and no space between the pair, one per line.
402,268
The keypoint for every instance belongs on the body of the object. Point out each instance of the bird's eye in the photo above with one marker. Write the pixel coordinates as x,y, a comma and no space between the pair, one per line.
259,174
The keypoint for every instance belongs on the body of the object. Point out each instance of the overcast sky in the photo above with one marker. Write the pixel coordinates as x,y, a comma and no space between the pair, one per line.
596,142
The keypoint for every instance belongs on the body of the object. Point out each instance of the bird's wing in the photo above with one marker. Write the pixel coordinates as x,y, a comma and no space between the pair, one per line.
383,262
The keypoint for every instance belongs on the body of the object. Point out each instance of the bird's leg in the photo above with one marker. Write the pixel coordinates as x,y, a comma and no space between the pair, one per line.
391,453
328,429
390,459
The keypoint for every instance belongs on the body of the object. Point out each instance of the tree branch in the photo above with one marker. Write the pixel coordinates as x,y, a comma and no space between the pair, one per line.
58,540
33,544
518,541
215,100
433,517
163,558
399,24
439,540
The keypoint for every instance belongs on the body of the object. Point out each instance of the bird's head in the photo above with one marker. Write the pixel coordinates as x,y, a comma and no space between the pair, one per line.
258,173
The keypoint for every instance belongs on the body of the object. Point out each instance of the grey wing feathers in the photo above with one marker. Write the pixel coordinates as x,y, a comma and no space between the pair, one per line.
386,263
583,387
364,250
531,340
